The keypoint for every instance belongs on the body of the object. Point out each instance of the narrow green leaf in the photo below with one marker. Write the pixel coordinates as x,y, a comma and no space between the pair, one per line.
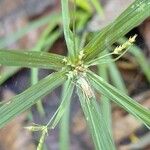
31,59
64,138
99,130
83,39
104,101
29,97
116,77
74,28
51,39
45,35
98,7
120,98
1,104
82,19
65,103
130,18
13,37
84,5
34,80
66,26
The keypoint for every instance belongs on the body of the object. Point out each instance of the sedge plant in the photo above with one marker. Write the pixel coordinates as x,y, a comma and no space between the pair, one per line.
74,70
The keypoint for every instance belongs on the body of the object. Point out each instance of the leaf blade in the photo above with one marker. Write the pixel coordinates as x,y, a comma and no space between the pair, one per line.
66,26
100,133
64,137
120,98
136,13
25,100
31,59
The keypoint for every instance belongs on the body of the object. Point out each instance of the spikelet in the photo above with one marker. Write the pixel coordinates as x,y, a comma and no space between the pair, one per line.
65,60
43,129
35,128
81,55
126,45
42,138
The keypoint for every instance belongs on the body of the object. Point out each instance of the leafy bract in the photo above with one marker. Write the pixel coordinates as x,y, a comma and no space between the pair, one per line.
31,59
99,130
29,97
67,94
120,98
136,13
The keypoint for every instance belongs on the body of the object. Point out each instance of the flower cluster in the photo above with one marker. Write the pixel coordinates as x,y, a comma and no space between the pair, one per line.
125,45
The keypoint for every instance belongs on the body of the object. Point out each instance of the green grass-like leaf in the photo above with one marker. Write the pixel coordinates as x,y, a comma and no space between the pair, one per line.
31,59
51,39
98,7
99,130
63,106
136,13
66,26
1,104
64,138
85,5
13,37
116,77
64,134
105,104
120,98
29,97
